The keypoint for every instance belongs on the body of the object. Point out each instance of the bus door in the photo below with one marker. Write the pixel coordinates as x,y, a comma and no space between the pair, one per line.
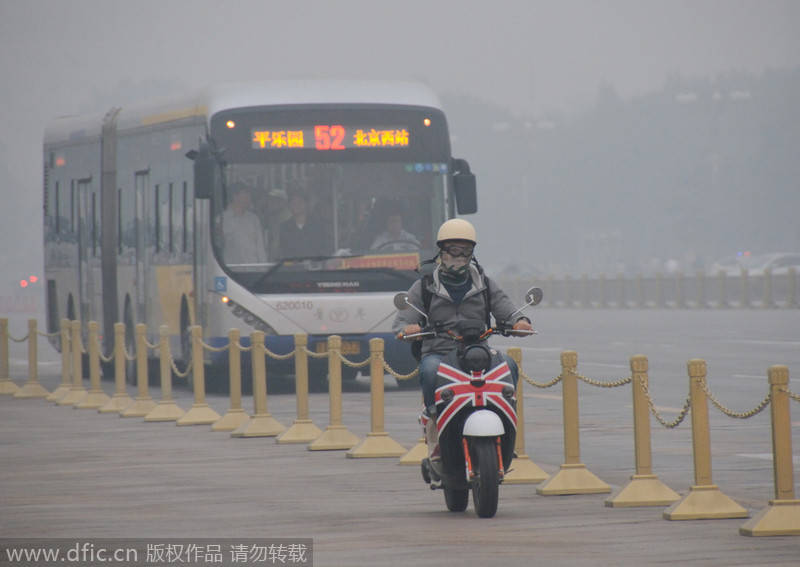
87,246
143,225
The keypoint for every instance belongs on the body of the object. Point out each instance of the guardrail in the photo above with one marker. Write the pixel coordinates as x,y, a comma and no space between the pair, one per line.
664,291
703,501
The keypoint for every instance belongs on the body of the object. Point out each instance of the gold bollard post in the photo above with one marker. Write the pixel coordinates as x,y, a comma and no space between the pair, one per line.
378,443
782,516
723,300
573,477
768,300
700,296
167,409
7,386
235,416
77,391
31,388
585,291
262,424
705,501
200,413
96,398
418,452
336,436
680,300
303,429
66,377
143,403
745,290
120,400
601,291
621,302
792,298
640,302
644,489
522,470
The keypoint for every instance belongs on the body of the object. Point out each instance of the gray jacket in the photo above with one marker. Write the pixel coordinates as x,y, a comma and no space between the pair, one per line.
442,308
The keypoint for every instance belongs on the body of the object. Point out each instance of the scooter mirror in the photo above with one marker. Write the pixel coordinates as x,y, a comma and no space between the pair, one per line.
401,301
534,296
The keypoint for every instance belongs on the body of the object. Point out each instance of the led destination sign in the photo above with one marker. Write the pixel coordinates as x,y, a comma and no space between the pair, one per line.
329,137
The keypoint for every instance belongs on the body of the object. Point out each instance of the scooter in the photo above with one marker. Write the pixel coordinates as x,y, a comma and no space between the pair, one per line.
476,412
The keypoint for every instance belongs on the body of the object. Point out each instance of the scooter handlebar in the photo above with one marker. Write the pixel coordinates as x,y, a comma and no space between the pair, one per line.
429,334
518,333
416,336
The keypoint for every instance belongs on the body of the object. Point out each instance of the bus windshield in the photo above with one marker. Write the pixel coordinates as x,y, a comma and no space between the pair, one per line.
329,198
276,221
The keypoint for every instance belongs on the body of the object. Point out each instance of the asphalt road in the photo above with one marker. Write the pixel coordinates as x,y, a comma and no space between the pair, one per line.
79,475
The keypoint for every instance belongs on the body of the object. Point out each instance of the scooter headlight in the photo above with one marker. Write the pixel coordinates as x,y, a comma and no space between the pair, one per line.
475,359
447,395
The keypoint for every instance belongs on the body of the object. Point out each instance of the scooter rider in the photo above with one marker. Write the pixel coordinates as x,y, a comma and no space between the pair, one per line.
458,290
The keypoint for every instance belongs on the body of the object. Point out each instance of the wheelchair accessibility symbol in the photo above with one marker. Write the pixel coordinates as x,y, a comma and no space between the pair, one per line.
220,284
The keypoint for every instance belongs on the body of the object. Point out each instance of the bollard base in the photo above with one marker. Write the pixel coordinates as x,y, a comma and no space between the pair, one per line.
416,454
377,445
706,502
32,390
301,431
334,438
524,471
231,420
781,517
198,414
139,408
165,411
573,479
263,425
643,490
116,404
58,393
93,400
74,396
9,388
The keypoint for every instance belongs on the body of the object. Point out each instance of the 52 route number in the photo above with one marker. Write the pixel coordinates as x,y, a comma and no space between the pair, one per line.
329,137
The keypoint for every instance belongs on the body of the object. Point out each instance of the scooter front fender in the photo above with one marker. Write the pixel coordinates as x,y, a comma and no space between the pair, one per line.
483,423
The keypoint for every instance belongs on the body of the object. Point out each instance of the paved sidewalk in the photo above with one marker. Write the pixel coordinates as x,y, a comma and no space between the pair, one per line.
68,473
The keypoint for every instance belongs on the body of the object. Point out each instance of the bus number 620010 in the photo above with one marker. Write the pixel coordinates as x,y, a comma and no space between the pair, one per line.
294,305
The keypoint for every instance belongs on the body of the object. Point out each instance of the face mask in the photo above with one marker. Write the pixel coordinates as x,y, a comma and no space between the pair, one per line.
454,270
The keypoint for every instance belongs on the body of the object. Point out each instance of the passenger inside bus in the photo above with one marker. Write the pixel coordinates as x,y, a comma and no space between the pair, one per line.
300,236
395,238
240,228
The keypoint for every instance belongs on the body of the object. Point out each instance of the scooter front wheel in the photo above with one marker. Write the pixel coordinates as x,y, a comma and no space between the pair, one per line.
486,484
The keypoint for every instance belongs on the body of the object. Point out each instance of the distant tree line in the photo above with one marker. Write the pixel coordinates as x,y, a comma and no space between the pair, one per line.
704,168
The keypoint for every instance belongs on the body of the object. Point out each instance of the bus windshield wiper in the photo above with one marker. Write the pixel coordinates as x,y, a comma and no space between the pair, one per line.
292,260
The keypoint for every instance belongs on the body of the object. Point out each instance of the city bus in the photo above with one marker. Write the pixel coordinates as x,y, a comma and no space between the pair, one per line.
257,206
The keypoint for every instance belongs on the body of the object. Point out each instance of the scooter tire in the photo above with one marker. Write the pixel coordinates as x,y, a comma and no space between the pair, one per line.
486,484
456,500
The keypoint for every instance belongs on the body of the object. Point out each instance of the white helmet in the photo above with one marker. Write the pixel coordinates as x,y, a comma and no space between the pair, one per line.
456,229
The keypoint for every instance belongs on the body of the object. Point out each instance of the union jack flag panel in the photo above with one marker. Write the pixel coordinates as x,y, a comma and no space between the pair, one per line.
466,394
